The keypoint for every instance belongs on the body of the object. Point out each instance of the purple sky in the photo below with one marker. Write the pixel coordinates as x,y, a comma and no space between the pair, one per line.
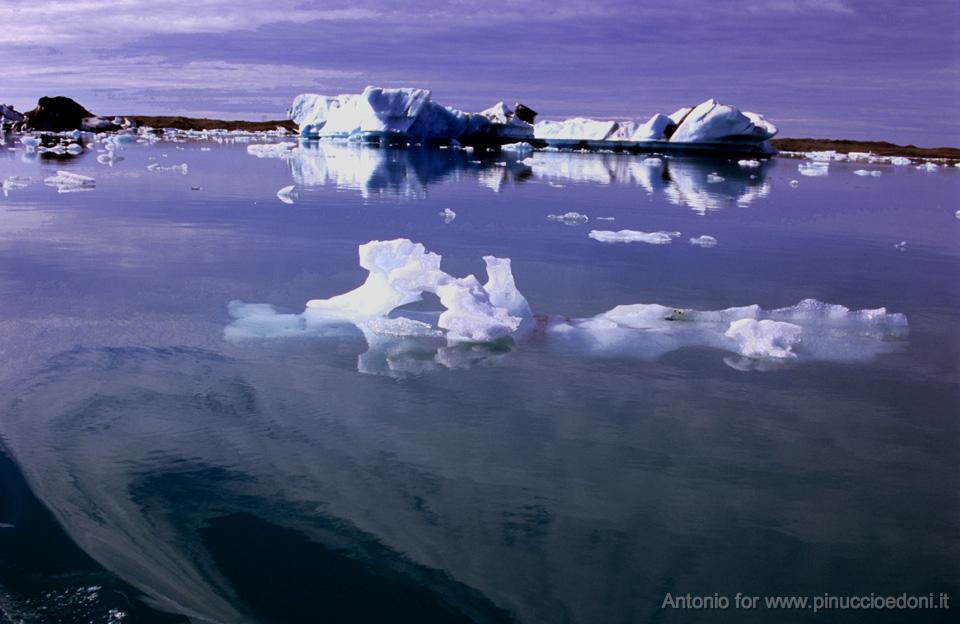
876,69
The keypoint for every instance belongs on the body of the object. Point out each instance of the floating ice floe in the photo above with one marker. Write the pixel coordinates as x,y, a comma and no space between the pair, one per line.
271,150
406,115
287,194
900,161
957,214
633,236
400,271
181,168
67,182
448,215
30,142
901,246
713,178
704,241
929,167
868,172
814,169
794,183
569,218
14,183
652,161
521,148
749,164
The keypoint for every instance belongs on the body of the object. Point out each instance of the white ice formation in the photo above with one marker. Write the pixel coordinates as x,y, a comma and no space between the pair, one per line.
704,241
814,169
633,236
271,150
287,194
403,115
569,218
67,182
400,272
709,122
868,172
448,215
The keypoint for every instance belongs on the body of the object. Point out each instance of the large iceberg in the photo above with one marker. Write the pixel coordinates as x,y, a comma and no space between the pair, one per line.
404,115
708,123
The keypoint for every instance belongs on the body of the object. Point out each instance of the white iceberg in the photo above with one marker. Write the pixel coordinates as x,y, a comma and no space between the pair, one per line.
576,129
868,172
403,115
900,160
633,236
929,167
715,122
521,149
448,215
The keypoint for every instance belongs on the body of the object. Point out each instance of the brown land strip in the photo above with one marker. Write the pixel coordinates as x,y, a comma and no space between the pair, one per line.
192,123
881,148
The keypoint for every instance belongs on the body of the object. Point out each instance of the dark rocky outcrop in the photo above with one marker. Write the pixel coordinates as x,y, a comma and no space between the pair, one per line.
59,114
8,115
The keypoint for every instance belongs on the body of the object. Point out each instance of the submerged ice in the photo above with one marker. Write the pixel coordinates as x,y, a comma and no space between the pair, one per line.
400,272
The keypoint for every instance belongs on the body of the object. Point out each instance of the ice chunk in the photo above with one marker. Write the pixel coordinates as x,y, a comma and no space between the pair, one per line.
868,172
67,182
749,164
704,241
14,183
654,129
814,169
957,214
633,236
713,178
30,142
652,161
929,167
715,122
901,246
578,129
271,150
287,194
899,160
520,149
502,288
182,168
74,148
794,183
569,218
764,339
448,215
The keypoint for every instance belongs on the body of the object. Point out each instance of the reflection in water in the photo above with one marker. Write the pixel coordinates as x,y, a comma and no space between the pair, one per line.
702,184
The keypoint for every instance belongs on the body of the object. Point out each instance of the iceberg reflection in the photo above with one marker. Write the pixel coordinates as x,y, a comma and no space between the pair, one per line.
699,183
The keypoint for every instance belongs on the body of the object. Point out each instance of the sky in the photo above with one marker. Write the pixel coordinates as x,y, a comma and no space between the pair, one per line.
875,69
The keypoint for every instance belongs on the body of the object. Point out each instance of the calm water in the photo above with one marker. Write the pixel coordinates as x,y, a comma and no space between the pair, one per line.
153,466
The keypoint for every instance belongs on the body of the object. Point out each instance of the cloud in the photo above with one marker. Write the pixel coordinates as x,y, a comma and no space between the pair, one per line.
47,22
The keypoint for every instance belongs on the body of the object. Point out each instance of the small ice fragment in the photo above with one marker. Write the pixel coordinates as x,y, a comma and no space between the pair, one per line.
899,160
633,236
14,182
814,169
604,218
569,218
30,142
704,241
902,245
653,161
204,149
764,339
271,150
868,172
749,164
929,167
287,194
794,183
448,215
4,525
957,214
713,178
74,148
